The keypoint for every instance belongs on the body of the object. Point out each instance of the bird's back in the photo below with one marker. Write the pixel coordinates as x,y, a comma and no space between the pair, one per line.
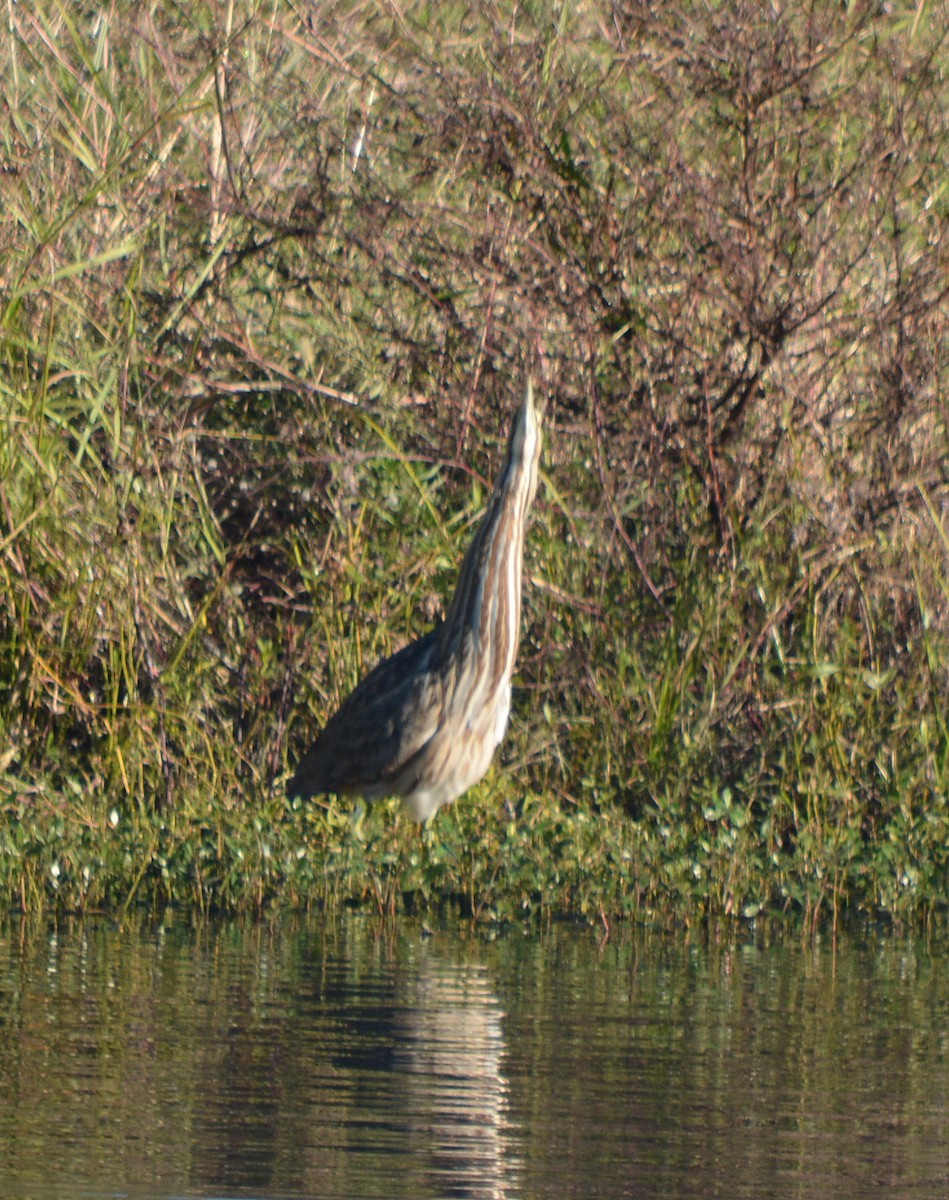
378,730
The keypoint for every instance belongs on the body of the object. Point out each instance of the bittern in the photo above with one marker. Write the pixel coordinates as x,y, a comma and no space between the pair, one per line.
424,724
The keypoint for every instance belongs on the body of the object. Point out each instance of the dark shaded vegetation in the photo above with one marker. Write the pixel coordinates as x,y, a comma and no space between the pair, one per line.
270,288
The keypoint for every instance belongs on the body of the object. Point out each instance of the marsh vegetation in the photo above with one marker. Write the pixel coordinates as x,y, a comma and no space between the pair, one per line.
270,281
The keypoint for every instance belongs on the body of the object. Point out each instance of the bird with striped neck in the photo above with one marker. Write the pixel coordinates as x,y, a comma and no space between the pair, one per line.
425,723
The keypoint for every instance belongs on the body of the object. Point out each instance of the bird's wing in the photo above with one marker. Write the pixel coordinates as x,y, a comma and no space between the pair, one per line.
383,724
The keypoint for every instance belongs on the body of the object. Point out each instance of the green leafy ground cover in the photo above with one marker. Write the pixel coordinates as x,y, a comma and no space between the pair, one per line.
270,283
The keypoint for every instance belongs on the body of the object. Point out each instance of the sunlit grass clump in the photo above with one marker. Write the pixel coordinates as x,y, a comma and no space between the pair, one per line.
268,292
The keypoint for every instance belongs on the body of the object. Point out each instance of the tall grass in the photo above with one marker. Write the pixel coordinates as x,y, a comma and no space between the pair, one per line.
269,286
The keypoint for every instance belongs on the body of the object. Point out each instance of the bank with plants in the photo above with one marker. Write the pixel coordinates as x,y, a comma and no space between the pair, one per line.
268,295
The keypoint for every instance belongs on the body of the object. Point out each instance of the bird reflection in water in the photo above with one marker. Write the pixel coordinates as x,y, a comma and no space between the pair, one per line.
449,1049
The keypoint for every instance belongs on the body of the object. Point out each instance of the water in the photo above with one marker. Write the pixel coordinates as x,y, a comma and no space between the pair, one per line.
351,1059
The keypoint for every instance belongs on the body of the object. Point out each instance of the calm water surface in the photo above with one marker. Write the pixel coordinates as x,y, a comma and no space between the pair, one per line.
351,1059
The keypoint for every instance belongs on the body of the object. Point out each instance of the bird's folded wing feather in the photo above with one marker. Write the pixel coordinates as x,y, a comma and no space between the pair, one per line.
383,724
